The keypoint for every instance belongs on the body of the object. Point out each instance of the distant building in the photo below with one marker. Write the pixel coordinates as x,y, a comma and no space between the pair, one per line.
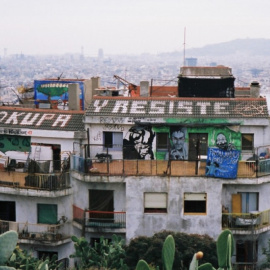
191,62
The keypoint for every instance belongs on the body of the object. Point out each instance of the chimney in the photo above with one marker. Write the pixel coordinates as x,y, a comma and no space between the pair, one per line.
74,96
255,89
144,88
95,84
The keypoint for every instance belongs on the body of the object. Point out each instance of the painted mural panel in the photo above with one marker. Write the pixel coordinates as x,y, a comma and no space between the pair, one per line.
178,146
15,143
222,160
54,90
138,143
222,163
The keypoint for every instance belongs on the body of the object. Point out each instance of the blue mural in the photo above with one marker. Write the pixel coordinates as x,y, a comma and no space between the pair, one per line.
222,163
54,90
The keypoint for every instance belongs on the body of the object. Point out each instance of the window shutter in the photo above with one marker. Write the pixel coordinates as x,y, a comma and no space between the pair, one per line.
155,200
195,196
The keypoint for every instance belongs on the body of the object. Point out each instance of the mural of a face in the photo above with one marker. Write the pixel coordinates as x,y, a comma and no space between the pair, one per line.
140,139
179,148
221,141
178,139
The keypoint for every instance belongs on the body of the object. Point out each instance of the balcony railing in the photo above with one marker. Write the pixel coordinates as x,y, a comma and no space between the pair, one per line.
37,232
256,221
40,181
152,167
99,219
36,174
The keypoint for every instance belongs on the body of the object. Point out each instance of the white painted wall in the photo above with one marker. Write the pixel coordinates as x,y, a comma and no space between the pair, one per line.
146,224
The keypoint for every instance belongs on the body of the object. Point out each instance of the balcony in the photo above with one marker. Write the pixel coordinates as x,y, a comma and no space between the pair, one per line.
56,234
35,175
246,169
99,220
247,223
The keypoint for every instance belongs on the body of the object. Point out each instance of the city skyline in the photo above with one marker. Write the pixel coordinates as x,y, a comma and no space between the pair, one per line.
126,27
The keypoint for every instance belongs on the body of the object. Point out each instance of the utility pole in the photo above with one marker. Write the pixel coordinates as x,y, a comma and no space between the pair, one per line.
184,54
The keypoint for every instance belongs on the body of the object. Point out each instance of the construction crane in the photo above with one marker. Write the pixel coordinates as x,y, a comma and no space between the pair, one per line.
132,88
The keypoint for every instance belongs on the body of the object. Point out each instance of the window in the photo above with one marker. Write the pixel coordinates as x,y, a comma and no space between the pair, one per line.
195,203
113,140
102,202
155,202
47,213
162,141
246,251
245,202
198,143
7,211
247,142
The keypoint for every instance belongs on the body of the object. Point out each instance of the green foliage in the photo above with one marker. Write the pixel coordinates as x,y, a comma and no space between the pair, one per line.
225,248
105,254
168,251
194,263
149,249
142,265
8,242
22,259
206,266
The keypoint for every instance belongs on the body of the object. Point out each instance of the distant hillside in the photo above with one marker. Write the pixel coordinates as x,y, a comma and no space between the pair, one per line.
244,46
252,47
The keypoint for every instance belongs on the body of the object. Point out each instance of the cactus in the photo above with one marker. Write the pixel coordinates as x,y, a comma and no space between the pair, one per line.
168,251
142,265
225,248
8,242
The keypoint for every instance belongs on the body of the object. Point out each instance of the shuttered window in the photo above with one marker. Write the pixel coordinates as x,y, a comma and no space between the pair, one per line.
47,213
195,203
155,202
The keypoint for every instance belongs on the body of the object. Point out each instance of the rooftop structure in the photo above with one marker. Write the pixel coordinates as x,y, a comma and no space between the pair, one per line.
132,165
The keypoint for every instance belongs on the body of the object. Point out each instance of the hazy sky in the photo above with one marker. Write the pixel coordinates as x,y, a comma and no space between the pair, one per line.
127,26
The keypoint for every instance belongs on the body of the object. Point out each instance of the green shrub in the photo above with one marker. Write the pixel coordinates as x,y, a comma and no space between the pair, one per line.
186,245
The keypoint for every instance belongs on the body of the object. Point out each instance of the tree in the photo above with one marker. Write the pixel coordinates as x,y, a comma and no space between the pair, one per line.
186,245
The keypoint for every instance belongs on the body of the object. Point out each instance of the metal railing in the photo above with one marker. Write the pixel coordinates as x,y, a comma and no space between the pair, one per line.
99,219
39,232
39,181
152,167
247,221
34,166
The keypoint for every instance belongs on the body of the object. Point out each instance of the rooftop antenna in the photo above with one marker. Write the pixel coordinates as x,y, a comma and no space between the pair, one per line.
184,59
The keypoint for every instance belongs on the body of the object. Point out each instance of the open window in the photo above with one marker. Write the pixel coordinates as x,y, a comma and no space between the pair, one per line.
162,141
155,202
195,203
246,251
7,210
113,140
198,144
101,206
247,142
245,202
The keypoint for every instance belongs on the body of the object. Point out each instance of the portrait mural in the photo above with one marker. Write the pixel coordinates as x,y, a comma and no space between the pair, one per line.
179,147
138,143
222,160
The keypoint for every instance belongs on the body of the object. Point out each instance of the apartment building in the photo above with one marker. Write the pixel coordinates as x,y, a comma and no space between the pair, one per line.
191,159
197,163
35,188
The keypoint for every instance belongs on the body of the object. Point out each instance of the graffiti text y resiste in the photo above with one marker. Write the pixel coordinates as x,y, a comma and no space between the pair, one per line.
159,107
